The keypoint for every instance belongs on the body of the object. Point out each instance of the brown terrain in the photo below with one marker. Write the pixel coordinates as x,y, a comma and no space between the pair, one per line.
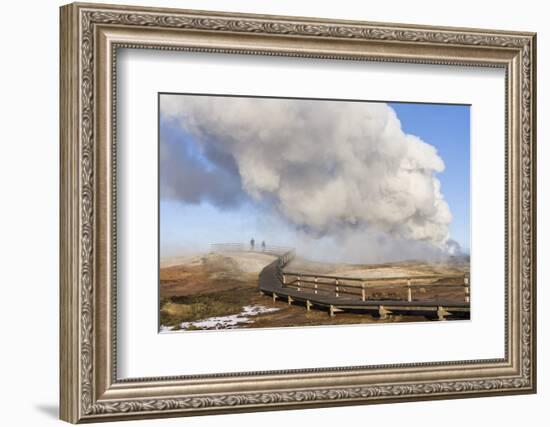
220,290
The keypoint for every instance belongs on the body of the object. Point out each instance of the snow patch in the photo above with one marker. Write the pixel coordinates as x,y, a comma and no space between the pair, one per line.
231,321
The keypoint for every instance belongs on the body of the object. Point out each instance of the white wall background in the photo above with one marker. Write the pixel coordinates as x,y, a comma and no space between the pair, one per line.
29,170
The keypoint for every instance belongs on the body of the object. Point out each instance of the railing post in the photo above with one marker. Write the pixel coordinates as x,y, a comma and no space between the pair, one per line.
409,290
298,283
466,289
315,285
337,287
441,313
284,279
363,296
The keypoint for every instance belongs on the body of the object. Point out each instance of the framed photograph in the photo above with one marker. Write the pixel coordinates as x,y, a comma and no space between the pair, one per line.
266,212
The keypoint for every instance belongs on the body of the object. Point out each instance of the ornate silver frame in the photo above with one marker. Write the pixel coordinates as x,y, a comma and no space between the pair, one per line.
90,36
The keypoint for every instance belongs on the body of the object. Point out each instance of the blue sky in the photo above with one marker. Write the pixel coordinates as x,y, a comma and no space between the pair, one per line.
194,226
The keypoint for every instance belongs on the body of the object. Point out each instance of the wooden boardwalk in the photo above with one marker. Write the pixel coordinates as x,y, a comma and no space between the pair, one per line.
271,282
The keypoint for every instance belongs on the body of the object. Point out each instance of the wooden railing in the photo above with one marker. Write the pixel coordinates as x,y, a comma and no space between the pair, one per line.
243,247
281,263
338,285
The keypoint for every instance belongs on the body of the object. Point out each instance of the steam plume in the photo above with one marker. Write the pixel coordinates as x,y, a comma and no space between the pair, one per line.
327,167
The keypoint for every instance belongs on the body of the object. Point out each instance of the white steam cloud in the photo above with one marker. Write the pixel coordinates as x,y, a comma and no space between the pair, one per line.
330,168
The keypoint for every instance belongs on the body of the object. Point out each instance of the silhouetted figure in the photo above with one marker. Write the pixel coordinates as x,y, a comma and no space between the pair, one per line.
263,245
252,242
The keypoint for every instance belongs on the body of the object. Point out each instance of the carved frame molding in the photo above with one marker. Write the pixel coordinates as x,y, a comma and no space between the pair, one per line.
90,390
